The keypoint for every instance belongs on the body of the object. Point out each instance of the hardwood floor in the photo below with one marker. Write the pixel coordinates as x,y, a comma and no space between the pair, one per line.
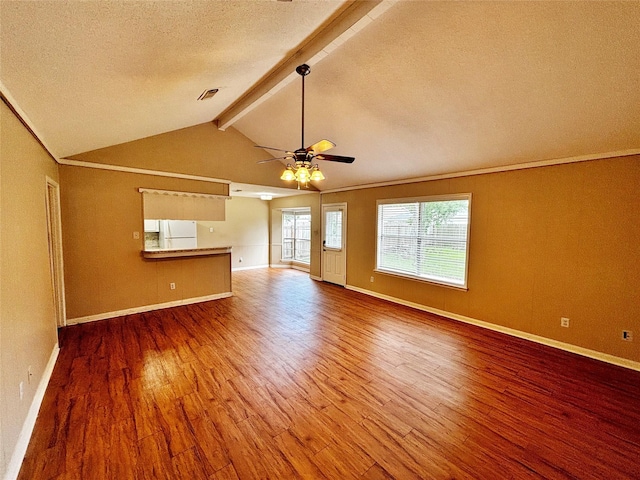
292,378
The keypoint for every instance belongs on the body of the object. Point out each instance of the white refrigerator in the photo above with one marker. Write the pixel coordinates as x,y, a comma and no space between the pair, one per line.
178,234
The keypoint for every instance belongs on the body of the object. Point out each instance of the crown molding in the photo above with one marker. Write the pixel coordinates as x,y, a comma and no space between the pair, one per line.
10,102
141,171
484,171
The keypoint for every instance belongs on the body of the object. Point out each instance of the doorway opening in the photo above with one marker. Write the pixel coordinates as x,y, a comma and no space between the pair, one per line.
54,231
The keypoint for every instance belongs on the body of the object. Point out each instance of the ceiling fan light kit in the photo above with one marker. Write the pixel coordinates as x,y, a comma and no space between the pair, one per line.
303,170
302,174
317,175
288,175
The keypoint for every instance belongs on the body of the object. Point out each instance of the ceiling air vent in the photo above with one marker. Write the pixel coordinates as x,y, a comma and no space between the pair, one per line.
208,94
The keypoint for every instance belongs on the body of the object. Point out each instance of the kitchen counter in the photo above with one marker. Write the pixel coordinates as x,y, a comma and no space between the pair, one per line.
187,252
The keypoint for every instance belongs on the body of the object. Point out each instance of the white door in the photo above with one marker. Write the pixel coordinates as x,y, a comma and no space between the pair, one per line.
334,251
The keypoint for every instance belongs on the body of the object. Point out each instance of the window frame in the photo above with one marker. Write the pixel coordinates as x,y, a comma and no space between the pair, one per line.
426,279
295,212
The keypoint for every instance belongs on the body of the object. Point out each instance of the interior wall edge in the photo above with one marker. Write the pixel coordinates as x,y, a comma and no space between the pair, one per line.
147,308
585,352
12,105
20,449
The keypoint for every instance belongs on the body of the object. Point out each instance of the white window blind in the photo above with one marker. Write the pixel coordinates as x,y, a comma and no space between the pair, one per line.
425,238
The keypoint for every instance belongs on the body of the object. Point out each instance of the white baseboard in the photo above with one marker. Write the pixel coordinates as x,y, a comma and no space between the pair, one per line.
147,308
299,267
294,267
585,352
20,449
239,269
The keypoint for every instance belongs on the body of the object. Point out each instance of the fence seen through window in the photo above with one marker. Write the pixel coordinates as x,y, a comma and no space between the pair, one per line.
425,238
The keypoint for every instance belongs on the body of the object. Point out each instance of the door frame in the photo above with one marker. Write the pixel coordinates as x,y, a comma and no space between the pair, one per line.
54,238
342,205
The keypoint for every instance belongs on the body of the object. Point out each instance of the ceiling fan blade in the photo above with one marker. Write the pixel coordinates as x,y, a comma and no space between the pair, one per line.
321,146
274,159
273,148
335,158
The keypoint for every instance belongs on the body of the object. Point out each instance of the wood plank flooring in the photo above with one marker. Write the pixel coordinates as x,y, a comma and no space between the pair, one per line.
292,378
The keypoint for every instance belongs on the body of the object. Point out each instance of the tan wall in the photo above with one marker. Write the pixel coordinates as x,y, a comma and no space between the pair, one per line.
312,201
27,317
104,270
199,150
246,229
549,242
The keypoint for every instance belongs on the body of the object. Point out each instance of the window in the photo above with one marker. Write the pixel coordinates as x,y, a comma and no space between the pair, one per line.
296,235
425,238
333,229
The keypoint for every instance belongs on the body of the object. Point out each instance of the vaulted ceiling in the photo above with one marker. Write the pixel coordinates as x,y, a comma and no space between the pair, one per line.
411,89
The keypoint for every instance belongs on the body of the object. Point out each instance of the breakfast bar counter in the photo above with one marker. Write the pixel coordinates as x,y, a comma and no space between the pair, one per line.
187,252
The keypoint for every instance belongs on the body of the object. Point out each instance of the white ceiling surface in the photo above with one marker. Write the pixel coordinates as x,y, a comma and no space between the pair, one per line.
90,74
434,88
427,88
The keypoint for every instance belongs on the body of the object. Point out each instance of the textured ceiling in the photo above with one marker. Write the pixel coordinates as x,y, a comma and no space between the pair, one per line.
425,88
432,88
98,73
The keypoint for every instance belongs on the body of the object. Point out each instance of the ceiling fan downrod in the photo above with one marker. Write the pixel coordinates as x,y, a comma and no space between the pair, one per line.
303,70
302,169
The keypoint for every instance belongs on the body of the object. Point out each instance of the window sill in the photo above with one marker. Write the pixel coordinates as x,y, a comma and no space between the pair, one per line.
423,280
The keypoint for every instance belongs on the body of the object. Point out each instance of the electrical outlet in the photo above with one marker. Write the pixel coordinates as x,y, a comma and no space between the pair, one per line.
172,286
627,335
564,322
21,390
210,229
136,235
371,279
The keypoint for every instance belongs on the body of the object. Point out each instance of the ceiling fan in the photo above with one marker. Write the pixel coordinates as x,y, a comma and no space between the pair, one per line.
302,169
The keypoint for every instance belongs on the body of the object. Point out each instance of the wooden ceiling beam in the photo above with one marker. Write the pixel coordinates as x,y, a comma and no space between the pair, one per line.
339,28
